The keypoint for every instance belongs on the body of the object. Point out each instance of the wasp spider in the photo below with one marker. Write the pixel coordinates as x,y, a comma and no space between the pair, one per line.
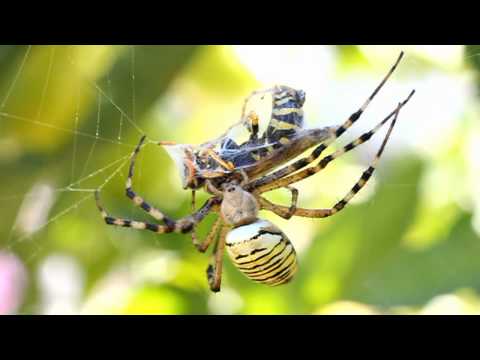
257,247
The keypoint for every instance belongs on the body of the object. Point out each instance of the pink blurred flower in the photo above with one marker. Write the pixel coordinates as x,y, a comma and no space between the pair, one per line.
13,279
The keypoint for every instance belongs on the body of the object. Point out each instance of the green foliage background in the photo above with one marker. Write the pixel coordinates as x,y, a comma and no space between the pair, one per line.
361,261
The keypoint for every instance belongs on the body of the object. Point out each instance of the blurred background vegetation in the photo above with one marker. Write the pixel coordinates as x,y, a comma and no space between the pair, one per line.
70,116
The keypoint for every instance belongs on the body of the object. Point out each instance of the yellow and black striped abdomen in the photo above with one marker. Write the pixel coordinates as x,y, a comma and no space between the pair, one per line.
262,252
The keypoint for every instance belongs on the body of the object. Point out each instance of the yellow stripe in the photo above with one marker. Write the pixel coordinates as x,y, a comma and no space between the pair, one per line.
138,225
357,142
262,276
253,259
156,214
282,125
276,280
281,95
349,196
284,141
286,111
293,271
283,100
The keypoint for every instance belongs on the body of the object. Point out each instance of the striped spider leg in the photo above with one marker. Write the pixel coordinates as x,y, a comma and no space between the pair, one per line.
195,241
301,163
183,225
309,171
293,207
215,267
285,212
203,245
216,235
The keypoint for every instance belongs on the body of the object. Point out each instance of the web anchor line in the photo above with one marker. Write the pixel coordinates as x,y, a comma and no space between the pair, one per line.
11,243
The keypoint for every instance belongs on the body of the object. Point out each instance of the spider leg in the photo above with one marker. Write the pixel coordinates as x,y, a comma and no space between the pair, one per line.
280,210
212,234
138,200
293,206
214,269
244,178
282,182
301,163
183,225
212,189
284,211
194,231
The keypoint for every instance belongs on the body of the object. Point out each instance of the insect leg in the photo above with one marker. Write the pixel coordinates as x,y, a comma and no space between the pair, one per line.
253,121
225,164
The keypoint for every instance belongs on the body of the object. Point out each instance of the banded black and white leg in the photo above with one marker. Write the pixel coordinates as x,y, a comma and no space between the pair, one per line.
138,200
194,231
183,225
285,212
301,163
322,164
294,201
215,267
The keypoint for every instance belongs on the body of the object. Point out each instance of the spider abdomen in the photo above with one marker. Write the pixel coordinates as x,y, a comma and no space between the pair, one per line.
262,252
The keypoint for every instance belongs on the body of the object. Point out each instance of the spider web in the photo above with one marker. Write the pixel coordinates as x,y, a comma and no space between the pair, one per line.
84,178
81,172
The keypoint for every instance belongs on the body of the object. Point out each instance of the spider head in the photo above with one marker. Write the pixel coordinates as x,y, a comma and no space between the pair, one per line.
238,207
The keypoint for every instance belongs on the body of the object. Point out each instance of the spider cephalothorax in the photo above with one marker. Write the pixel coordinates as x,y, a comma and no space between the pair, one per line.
236,174
238,207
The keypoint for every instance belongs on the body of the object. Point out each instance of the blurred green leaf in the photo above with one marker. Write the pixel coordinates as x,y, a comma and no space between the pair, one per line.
340,260
409,277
